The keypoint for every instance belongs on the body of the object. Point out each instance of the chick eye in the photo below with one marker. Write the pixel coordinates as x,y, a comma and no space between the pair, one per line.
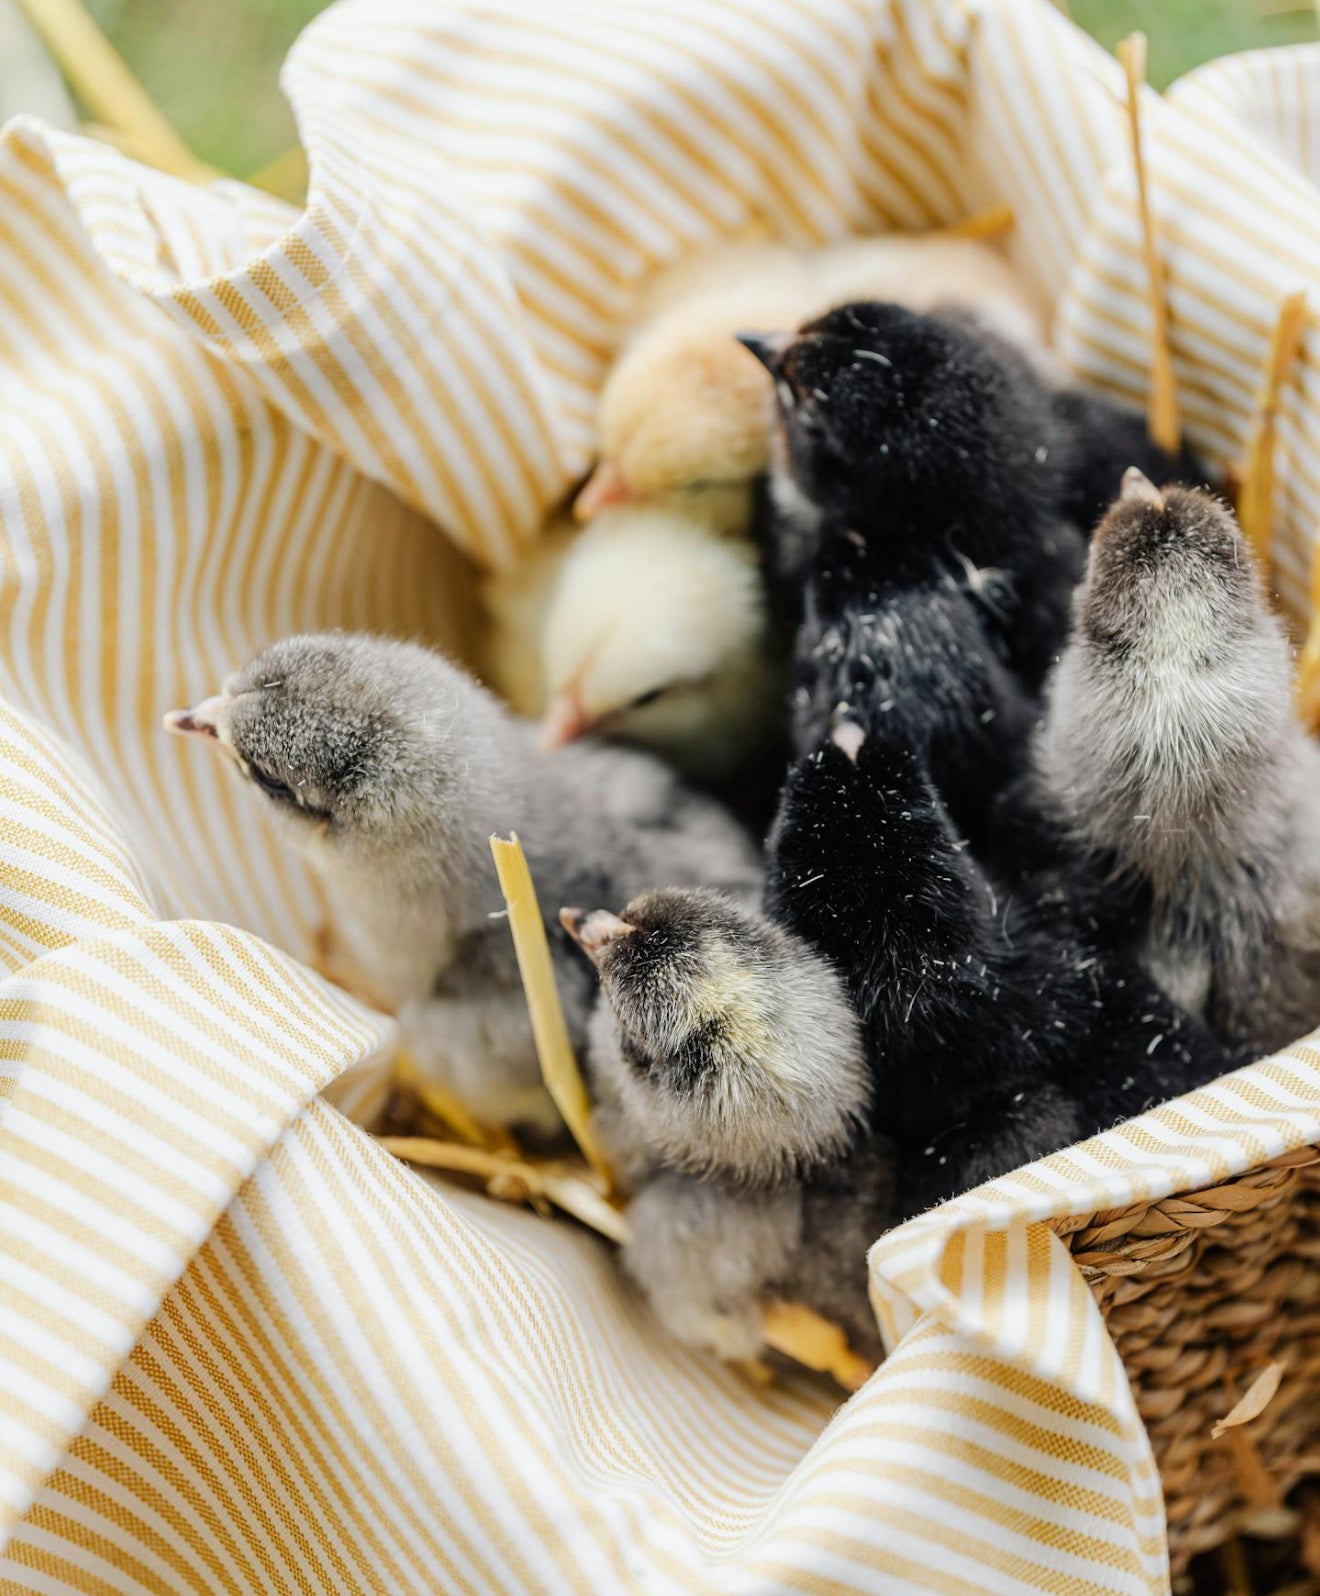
648,698
272,786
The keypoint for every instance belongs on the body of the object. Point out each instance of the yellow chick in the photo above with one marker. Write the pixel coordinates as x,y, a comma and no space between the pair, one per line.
685,405
651,626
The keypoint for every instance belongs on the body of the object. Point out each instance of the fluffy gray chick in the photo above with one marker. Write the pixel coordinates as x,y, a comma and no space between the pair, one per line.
731,1090
391,768
1171,749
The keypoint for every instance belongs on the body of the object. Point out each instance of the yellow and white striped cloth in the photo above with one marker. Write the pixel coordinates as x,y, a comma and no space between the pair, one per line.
241,1349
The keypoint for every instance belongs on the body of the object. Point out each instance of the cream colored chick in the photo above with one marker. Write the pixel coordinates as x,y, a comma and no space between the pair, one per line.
651,627
685,405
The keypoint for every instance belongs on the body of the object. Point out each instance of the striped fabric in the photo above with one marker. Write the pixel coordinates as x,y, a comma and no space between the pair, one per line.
241,1350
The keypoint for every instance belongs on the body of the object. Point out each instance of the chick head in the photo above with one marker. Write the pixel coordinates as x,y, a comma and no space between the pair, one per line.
735,1051
882,411
684,407
1171,586
349,738
659,633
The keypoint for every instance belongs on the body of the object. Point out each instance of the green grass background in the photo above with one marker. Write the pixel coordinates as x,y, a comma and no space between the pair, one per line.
212,65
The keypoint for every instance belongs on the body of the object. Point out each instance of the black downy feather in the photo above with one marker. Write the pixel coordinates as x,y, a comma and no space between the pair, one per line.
998,1031
927,484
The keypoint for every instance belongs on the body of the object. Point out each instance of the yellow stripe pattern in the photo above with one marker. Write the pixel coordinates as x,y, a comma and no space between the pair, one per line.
242,1349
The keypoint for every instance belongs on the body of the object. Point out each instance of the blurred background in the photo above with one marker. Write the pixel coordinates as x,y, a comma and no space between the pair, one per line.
213,65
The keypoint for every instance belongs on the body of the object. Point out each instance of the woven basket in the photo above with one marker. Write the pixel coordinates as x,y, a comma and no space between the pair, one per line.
1201,1292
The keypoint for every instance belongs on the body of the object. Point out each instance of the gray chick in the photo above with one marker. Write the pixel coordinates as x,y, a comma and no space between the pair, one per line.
1171,751
390,768
732,1091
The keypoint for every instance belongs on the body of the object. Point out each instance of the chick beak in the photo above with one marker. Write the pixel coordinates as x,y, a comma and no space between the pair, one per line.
1138,486
604,487
594,932
564,722
203,720
767,347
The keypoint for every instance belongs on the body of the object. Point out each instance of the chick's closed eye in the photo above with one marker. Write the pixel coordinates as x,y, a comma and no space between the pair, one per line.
280,792
272,786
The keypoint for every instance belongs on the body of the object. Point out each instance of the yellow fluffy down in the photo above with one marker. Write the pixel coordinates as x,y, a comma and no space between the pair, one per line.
646,600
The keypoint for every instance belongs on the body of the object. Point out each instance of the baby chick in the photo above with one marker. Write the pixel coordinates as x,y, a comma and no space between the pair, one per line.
731,1090
390,768
684,406
915,517
1171,751
650,627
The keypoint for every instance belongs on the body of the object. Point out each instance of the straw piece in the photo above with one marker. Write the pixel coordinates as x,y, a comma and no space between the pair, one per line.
1162,402
989,223
1256,504
442,1106
1307,690
518,1180
1257,1487
559,1068
801,1333
108,90
1237,1575
1258,1396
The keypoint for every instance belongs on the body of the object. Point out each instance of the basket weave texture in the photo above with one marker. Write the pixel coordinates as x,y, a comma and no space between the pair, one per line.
1201,1292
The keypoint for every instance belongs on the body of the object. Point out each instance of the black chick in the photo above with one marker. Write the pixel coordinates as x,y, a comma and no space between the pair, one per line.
914,512
925,477
996,1029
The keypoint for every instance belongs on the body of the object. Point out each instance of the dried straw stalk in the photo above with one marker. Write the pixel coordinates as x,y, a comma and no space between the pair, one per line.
989,223
1162,403
559,1068
513,1178
435,1107
1308,663
1256,503
119,107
